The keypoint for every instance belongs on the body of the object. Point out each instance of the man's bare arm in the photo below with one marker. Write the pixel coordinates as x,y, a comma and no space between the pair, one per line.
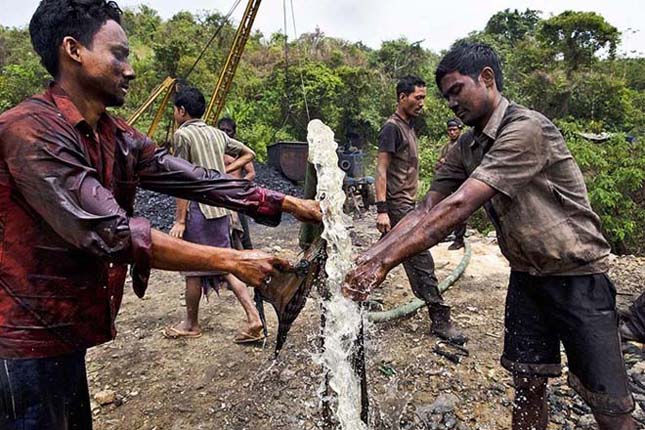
252,267
249,168
382,163
245,157
420,229
179,227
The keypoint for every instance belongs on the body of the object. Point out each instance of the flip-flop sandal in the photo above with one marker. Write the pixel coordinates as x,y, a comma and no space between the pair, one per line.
249,337
174,333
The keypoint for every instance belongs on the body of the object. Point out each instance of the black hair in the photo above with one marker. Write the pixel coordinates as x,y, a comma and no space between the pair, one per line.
227,120
454,122
469,59
192,100
56,19
407,84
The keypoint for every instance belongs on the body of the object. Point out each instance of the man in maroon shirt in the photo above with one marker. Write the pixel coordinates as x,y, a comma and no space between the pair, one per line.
68,175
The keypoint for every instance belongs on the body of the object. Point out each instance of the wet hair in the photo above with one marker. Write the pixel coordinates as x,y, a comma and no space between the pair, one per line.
192,100
407,84
454,122
56,19
227,120
470,59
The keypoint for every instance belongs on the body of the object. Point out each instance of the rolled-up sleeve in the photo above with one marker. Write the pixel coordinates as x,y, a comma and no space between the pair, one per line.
159,171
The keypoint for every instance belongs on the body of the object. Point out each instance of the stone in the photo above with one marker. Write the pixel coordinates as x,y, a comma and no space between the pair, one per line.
105,397
444,403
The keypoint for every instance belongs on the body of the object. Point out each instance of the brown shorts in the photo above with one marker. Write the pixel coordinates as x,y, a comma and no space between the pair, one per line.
580,312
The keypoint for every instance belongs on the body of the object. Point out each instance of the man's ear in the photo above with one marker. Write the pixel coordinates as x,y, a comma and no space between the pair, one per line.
487,75
72,48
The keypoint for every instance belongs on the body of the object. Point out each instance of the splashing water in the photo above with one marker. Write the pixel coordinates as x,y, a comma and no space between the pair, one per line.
343,317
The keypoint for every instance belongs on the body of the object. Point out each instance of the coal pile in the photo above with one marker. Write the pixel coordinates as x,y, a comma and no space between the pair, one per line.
269,177
159,209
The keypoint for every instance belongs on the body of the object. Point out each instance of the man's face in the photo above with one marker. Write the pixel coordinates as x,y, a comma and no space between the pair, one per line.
106,72
227,128
453,133
412,104
469,99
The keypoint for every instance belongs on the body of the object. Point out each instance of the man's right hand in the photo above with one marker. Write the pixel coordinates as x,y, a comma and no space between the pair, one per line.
255,268
178,230
383,223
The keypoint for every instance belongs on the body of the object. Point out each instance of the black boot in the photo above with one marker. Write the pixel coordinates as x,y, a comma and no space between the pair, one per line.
442,327
457,244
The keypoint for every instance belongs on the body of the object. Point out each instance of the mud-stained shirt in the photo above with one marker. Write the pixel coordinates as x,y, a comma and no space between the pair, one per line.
544,222
398,138
67,227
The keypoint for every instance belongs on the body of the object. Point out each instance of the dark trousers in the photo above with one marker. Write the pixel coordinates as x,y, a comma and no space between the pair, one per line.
45,393
636,320
420,268
246,236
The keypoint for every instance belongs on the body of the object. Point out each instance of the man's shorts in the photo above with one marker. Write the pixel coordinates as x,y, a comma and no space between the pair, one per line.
580,312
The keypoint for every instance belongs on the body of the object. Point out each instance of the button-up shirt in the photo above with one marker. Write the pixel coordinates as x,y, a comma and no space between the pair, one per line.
67,233
544,222
398,138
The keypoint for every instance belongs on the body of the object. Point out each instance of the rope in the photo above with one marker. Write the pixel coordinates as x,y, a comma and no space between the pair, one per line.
413,305
302,79
208,44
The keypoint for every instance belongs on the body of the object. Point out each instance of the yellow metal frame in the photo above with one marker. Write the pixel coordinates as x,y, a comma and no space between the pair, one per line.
216,104
225,80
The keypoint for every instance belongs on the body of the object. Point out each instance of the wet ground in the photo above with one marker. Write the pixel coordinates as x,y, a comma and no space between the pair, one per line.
212,383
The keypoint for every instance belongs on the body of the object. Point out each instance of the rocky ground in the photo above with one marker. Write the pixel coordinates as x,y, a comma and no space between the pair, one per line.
148,382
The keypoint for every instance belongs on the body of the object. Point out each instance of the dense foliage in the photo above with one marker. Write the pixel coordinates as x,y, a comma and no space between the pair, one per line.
565,66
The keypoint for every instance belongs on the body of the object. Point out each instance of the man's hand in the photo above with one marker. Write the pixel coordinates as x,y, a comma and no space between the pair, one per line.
383,223
368,274
178,230
303,210
255,268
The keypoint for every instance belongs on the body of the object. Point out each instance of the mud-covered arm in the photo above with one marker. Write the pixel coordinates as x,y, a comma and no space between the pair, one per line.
421,229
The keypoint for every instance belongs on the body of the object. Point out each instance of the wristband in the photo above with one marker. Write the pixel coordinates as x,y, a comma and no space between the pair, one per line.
381,207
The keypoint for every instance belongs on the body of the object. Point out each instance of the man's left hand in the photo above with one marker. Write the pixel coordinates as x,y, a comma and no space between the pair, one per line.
303,210
368,274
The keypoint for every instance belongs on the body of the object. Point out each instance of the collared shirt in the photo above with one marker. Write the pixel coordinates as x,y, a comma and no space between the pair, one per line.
398,138
67,233
203,145
544,222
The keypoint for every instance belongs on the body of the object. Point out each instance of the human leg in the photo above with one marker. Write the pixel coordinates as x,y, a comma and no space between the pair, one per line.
189,327
45,393
423,281
530,409
588,322
531,352
254,323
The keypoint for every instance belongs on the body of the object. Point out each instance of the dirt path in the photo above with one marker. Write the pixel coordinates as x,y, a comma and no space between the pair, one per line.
212,383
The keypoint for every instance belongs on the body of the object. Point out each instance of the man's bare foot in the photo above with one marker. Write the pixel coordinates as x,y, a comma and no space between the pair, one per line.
183,329
253,332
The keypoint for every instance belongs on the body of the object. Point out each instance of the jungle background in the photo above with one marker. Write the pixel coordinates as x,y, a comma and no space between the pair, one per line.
565,66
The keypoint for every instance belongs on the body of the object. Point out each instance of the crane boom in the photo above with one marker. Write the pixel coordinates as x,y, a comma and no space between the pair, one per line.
225,80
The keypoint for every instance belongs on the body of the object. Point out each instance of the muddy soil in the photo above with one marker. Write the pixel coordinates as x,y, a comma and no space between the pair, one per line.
212,383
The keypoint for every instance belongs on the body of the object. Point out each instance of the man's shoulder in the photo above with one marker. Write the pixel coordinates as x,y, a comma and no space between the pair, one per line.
28,113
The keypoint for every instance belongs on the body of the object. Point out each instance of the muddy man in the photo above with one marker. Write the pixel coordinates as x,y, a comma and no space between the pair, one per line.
519,168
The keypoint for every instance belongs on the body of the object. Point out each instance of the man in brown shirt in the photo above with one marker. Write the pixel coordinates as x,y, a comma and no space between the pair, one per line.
453,130
519,168
397,179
